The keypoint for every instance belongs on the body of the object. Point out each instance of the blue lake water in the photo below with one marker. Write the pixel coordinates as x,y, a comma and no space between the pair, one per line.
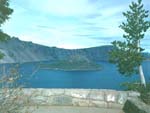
107,78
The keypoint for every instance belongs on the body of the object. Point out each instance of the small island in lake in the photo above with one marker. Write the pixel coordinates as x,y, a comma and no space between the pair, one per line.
75,63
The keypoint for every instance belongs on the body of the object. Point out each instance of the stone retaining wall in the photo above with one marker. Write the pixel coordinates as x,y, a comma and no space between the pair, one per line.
78,97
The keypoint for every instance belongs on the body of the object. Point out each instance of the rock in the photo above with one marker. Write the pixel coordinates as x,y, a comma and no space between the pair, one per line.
135,105
77,97
56,92
101,104
62,100
111,96
122,97
80,93
39,100
80,102
97,95
114,105
133,94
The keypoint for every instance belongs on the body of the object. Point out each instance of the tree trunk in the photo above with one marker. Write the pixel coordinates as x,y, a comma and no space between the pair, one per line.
143,82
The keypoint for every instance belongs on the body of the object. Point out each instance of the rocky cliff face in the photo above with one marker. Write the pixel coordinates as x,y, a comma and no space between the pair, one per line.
16,50
20,51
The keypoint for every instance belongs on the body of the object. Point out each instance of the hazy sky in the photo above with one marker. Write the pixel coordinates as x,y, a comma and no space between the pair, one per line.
69,23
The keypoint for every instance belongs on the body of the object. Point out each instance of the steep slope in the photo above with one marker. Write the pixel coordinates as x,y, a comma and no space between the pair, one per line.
16,50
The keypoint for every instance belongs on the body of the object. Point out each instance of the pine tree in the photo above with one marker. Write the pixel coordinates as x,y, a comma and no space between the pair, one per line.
127,54
5,11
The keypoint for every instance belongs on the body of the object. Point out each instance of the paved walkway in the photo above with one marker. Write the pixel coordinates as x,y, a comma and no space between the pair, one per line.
67,109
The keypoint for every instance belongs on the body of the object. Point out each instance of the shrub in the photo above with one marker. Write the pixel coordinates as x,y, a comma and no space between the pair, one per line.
144,91
11,92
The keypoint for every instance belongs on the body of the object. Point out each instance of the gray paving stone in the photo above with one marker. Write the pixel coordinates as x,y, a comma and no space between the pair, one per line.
67,109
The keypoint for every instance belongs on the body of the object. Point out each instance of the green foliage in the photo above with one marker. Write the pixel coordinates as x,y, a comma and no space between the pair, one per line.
126,57
1,55
137,86
134,86
4,36
5,11
127,54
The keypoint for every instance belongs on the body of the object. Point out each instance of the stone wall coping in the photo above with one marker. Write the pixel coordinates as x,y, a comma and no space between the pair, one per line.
79,97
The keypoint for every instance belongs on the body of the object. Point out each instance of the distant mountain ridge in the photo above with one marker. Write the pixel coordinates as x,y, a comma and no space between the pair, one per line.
16,50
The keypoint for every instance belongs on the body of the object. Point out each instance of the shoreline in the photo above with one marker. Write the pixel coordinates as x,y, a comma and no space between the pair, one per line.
58,69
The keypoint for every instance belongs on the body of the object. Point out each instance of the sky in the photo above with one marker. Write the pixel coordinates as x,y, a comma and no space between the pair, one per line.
70,24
